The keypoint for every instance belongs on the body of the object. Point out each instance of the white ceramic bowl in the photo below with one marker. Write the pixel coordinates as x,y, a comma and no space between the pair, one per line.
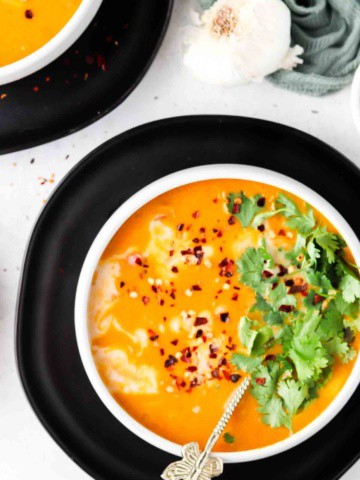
54,47
110,228
355,99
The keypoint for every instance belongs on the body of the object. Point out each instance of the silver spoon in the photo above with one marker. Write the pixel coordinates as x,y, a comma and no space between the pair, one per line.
196,465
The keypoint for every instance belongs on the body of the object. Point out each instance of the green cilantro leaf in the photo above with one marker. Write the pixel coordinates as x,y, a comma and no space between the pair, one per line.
293,393
228,438
309,357
274,414
350,287
329,242
247,334
251,266
279,296
244,363
248,207
303,222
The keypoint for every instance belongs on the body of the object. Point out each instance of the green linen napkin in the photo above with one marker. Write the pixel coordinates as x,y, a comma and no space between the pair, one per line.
329,32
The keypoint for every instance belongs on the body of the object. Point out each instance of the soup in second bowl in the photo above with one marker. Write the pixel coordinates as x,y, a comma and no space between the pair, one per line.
27,25
214,281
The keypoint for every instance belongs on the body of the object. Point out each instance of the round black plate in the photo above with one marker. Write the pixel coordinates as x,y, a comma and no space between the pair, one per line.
94,76
48,359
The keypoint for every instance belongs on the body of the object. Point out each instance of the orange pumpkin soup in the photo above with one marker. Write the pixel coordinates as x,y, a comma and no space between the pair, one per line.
26,25
214,281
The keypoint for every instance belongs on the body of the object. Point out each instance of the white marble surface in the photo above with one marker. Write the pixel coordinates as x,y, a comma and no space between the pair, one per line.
167,90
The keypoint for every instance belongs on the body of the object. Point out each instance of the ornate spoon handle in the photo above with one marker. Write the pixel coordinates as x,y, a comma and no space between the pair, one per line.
227,415
196,465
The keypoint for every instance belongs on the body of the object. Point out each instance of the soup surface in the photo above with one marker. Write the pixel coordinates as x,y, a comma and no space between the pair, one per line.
26,25
214,281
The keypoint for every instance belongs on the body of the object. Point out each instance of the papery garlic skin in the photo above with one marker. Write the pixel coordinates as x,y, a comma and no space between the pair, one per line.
240,41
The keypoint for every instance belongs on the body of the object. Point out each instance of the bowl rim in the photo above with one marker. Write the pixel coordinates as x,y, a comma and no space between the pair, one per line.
52,49
128,208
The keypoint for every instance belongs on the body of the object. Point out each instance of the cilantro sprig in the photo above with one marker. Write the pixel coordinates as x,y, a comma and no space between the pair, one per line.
311,326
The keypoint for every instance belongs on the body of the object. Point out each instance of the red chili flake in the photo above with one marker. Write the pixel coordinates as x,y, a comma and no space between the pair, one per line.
196,240
235,377
235,297
162,301
215,373
289,283
172,294
215,200
283,271
122,284
175,269
215,230
236,208
180,383
274,285
282,233
101,62
219,234
192,368
236,288
89,59
199,254
196,214
29,14
36,89
200,321
224,317
267,274
175,342
202,230
199,333
162,352
47,79
270,358
231,220
261,228
260,381
154,289
317,299
170,362
138,261
298,288
145,300
194,383
227,267
226,374
286,308
188,251
186,355
152,335
213,355
171,253
197,288
213,348
180,227
222,362
261,202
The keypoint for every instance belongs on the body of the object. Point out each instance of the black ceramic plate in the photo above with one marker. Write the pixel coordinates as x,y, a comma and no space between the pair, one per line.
94,76
49,364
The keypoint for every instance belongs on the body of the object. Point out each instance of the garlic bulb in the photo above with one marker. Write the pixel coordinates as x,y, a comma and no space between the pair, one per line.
240,41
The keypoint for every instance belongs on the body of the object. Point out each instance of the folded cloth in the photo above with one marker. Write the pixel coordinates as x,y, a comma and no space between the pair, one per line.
329,32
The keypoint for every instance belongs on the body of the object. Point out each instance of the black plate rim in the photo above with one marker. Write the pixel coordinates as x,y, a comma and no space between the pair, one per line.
25,384
94,118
